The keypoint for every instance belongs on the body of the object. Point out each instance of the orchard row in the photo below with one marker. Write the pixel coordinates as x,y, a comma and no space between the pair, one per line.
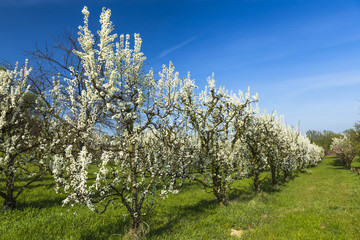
136,135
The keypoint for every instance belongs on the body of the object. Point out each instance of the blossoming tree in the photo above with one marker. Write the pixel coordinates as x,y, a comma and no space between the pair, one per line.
22,142
272,142
344,149
217,119
254,153
144,111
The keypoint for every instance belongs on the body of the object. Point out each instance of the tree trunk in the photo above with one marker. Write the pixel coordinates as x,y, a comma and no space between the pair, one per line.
287,175
222,200
219,188
273,175
256,182
135,211
9,200
136,221
256,173
220,196
135,208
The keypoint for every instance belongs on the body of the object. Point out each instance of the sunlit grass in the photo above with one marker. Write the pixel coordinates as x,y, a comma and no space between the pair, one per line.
322,203
356,162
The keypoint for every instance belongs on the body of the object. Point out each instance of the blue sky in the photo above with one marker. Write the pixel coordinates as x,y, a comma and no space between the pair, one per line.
301,56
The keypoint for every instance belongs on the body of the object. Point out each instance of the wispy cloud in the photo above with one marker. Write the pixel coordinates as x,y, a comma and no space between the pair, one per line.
297,87
176,47
329,80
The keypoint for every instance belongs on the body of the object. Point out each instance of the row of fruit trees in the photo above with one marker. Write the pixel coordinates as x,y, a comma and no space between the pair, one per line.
137,135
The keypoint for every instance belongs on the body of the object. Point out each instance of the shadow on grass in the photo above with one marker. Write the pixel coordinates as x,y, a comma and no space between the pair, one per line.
41,203
241,195
268,187
202,208
190,212
337,164
113,230
36,185
117,229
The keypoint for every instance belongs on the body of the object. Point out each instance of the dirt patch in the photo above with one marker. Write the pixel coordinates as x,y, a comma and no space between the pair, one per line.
237,233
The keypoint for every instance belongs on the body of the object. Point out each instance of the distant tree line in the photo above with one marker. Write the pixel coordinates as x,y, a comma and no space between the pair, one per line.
345,146
322,138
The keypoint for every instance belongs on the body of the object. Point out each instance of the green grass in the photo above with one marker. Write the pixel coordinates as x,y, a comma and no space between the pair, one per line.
356,162
322,203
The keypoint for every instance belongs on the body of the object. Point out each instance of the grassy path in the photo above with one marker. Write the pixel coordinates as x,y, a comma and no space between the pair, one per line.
324,204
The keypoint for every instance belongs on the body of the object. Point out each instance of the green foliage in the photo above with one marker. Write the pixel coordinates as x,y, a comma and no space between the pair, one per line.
356,162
